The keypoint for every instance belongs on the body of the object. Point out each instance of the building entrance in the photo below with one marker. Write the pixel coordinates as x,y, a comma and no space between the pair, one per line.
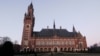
55,49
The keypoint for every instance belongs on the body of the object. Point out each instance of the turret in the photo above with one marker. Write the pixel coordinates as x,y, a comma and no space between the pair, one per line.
74,30
54,26
30,10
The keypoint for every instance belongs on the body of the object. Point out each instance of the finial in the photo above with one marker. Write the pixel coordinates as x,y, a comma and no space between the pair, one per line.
31,1
31,5
74,29
60,27
47,27
54,26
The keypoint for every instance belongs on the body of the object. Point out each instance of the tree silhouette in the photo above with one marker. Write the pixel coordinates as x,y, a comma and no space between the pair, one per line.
7,49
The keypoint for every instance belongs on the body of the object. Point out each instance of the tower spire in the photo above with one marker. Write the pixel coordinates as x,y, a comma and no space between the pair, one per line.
54,26
30,9
30,14
31,5
74,30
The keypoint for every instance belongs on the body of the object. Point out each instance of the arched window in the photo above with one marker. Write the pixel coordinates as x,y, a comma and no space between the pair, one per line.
49,49
41,49
45,49
55,49
80,45
65,49
68,49
37,49
72,49
61,49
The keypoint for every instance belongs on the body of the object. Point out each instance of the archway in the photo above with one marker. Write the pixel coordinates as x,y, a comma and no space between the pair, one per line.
41,49
55,49
49,49
61,49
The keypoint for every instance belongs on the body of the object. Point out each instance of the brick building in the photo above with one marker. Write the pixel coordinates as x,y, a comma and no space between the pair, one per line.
50,39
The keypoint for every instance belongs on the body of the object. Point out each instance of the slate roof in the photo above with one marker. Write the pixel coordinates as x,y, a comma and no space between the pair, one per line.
52,32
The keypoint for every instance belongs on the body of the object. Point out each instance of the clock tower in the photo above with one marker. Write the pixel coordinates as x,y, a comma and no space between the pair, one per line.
48,40
29,21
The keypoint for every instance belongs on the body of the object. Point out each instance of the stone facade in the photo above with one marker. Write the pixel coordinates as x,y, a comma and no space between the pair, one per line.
50,39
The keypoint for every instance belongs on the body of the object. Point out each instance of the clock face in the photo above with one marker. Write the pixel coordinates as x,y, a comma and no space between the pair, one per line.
27,26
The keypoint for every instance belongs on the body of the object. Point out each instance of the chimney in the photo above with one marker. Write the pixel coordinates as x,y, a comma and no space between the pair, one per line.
60,27
47,27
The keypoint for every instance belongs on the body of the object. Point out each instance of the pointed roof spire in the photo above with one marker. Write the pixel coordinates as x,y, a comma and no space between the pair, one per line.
60,27
30,9
74,30
54,26
31,5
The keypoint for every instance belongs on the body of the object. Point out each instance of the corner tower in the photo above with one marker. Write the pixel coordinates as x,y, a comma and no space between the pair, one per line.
29,21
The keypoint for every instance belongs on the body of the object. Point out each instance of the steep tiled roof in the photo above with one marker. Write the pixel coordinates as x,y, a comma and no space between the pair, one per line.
52,32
